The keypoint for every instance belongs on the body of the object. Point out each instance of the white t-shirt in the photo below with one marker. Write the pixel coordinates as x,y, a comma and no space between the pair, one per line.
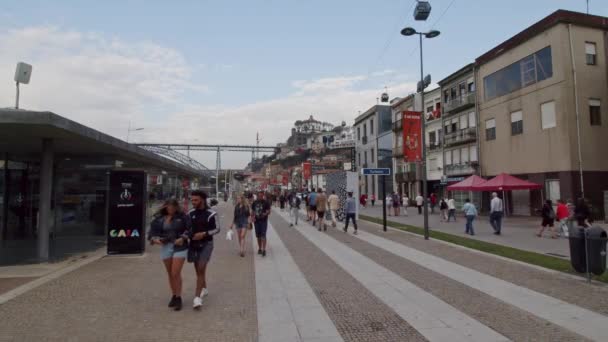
419,200
405,201
451,204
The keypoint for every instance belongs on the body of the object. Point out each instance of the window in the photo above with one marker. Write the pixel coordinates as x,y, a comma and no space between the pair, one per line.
399,140
462,87
456,157
464,155
432,138
590,53
471,85
359,158
365,155
358,133
464,121
595,113
547,115
453,93
371,127
447,128
527,71
473,153
517,123
446,96
448,157
364,130
372,155
454,127
429,110
433,164
472,120
491,129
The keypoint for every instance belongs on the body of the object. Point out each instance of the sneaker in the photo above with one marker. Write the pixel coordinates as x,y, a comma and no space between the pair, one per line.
325,227
355,233
204,293
197,303
259,251
319,229
263,253
178,304
173,301
344,229
291,224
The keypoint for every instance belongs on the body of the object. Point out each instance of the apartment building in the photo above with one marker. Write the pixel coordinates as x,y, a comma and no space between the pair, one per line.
459,122
433,140
542,109
405,177
374,146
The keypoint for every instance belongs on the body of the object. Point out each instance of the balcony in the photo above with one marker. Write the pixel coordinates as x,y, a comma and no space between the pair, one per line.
434,146
398,126
467,168
405,177
459,103
462,136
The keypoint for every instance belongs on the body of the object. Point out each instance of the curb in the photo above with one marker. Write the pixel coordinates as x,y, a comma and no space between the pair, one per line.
14,293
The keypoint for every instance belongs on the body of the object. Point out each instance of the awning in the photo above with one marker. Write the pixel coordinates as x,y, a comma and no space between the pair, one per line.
468,184
506,182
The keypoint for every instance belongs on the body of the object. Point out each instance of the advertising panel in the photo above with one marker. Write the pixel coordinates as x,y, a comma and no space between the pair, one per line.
412,136
127,212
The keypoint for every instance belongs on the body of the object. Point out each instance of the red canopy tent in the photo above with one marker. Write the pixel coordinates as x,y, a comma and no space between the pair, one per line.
506,182
468,184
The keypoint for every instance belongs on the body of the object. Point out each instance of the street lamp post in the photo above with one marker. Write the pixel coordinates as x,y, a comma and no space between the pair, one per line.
129,130
408,31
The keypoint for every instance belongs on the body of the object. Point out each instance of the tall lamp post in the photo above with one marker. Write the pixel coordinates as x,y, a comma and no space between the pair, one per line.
129,130
408,31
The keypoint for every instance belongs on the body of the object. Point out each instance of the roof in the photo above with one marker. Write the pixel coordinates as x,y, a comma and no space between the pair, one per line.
559,16
468,184
371,111
461,72
506,182
21,132
402,100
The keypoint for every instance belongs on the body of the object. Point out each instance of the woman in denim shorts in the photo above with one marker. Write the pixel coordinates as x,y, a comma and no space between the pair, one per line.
169,229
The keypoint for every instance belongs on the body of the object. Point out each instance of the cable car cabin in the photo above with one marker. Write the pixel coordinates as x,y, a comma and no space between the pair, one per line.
422,10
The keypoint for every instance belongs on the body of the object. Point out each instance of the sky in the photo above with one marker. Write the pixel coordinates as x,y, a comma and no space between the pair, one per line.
218,72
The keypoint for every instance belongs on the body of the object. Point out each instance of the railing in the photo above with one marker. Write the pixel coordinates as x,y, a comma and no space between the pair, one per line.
460,137
397,126
461,169
460,102
435,146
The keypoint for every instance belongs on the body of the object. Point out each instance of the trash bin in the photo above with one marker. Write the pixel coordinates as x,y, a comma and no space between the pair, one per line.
596,249
578,258
596,246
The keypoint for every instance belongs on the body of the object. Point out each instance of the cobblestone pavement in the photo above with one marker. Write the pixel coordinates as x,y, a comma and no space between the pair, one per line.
569,289
356,312
125,299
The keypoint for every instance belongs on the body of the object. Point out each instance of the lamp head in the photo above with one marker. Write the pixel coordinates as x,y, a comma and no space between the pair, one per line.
408,31
432,34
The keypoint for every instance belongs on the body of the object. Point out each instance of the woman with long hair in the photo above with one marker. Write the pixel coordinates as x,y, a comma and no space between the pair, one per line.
242,215
169,229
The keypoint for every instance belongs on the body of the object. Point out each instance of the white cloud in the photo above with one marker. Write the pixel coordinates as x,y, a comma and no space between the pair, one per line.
104,82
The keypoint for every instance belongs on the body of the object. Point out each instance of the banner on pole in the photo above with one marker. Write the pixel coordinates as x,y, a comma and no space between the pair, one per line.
412,136
307,171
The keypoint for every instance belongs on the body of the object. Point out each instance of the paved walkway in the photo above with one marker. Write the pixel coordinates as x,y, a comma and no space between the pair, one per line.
517,232
316,286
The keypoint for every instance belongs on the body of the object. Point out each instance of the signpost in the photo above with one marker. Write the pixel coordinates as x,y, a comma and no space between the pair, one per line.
380,172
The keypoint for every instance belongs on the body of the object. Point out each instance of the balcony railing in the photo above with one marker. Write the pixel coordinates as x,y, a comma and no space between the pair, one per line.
461,137
461,169
460,102
397,126
434,147
404,177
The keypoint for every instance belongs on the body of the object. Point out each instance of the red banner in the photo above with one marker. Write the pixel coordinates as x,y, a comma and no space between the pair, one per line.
307,170
412,136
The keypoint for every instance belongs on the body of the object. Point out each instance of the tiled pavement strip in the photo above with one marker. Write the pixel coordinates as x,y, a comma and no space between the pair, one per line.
431,317
355,311
125,299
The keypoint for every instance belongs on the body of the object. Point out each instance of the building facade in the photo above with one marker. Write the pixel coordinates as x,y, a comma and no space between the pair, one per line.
460,130
542,109
433,139
374,146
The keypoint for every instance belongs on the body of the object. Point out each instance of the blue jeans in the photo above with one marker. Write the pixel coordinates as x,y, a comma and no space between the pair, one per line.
452,213
351,216
469,226
496,220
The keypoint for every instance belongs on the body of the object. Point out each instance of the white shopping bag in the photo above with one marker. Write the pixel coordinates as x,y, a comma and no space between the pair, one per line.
229,235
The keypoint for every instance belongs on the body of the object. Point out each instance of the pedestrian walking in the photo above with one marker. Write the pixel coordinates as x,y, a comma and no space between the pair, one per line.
548,219
282,201
582,213
396,200
433,200
321,209
170,229
312,203
204,227
470,212
443,206
363,200
405,203
241,221
334,205
388,201
294,209
496,213
419,203
350,207
563,216
373,199
261,210
451,208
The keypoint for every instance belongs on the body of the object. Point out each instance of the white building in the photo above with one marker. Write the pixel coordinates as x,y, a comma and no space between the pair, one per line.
433,139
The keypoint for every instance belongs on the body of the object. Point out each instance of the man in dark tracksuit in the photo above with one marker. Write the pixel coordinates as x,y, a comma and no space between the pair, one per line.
201,242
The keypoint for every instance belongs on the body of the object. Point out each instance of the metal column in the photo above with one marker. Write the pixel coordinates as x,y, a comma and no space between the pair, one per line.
46,185
218,165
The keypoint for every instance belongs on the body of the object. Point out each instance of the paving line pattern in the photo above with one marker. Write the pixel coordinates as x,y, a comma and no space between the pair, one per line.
287,307
574,318
433,318
357,313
